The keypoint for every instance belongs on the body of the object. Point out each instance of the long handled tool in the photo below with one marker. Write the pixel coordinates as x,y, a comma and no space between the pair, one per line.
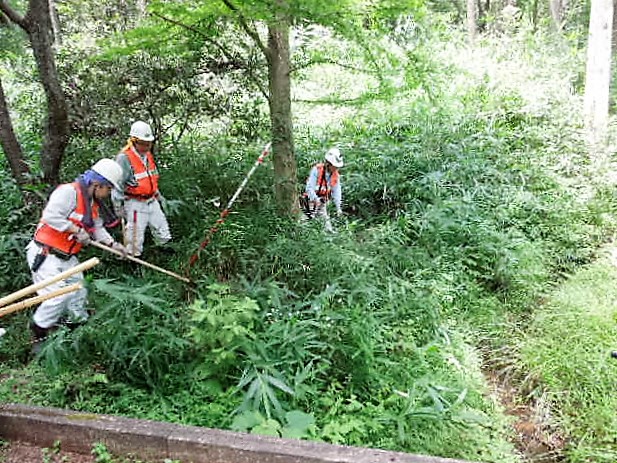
225,211
96,244
134,243
61,276
38,299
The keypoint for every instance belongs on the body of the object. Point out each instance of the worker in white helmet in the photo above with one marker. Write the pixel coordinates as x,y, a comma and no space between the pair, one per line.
140,203
69,221
324,184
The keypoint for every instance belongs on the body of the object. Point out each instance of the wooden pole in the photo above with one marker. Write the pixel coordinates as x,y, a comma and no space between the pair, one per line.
61,276
38,299
134,243
96,244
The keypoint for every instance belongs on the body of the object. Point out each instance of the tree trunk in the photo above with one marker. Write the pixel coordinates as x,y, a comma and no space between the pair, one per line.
558,9
614,33
534,14
38,25
598,74
280,117
55,22
10,144
472,20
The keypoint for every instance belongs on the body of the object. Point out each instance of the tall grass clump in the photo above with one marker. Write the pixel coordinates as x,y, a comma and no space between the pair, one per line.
578,374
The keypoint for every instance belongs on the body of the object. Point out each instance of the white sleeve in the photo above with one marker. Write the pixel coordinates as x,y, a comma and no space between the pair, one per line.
100,232
311,185
337,194
61,203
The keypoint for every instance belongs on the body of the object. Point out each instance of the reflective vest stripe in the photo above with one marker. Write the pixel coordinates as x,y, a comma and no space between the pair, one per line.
61,240
146,176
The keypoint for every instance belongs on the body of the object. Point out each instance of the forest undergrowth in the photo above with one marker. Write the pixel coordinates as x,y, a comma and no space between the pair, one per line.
470,197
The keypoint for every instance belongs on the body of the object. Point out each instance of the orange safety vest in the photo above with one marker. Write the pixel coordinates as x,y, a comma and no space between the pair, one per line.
324,189
61,240
147,177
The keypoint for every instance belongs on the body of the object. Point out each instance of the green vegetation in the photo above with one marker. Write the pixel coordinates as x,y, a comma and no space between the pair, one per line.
578,374
470,197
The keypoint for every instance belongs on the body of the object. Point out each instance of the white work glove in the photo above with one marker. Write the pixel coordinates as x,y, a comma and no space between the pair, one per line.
120,248
120,210
82,237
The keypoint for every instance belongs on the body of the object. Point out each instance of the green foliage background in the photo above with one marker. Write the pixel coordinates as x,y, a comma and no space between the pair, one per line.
469,195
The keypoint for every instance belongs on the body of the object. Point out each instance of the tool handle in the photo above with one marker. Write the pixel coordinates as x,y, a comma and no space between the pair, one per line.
38,299
61,276
96,244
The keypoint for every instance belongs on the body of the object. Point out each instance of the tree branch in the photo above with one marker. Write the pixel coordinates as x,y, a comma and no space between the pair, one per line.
222,49
188,27
329,61
252,33
13,15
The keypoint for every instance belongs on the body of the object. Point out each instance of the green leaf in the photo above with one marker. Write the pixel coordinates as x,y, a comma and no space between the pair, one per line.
247,420
270,427
297,419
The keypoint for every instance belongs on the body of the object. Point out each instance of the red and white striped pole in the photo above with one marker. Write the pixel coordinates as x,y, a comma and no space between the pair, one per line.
225,211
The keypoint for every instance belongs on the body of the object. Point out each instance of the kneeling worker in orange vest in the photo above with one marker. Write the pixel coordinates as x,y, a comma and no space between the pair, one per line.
323,184
69,221
143,202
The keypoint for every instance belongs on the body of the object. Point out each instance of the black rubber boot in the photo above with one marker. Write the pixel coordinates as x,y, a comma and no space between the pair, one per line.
38,337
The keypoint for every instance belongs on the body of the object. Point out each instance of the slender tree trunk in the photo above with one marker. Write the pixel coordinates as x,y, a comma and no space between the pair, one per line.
614,34
598,74
38,25
55,23
472,20
141,8
280,116
10,144
558,9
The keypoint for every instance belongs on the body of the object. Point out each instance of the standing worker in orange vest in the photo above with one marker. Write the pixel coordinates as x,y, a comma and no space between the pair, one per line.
69,221
322,185
143,202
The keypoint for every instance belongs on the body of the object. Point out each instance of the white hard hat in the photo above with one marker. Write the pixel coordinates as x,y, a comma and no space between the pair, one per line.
334,157
111,170
141,130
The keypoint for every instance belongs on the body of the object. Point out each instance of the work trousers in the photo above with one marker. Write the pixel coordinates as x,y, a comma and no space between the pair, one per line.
139,216
72,306
318,210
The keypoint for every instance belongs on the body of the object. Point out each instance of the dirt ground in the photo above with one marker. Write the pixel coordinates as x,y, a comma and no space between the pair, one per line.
535,439
20,452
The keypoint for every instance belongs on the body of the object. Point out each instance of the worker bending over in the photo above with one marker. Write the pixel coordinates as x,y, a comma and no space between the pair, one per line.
69,221
324,184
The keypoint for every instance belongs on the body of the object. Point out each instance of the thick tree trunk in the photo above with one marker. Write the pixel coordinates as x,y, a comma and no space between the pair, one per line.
38,25
285,169
10,144
598,75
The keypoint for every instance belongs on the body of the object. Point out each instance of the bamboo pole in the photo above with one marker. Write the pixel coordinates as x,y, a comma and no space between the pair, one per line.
134,243
225,211
38,299
96,244
61,276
